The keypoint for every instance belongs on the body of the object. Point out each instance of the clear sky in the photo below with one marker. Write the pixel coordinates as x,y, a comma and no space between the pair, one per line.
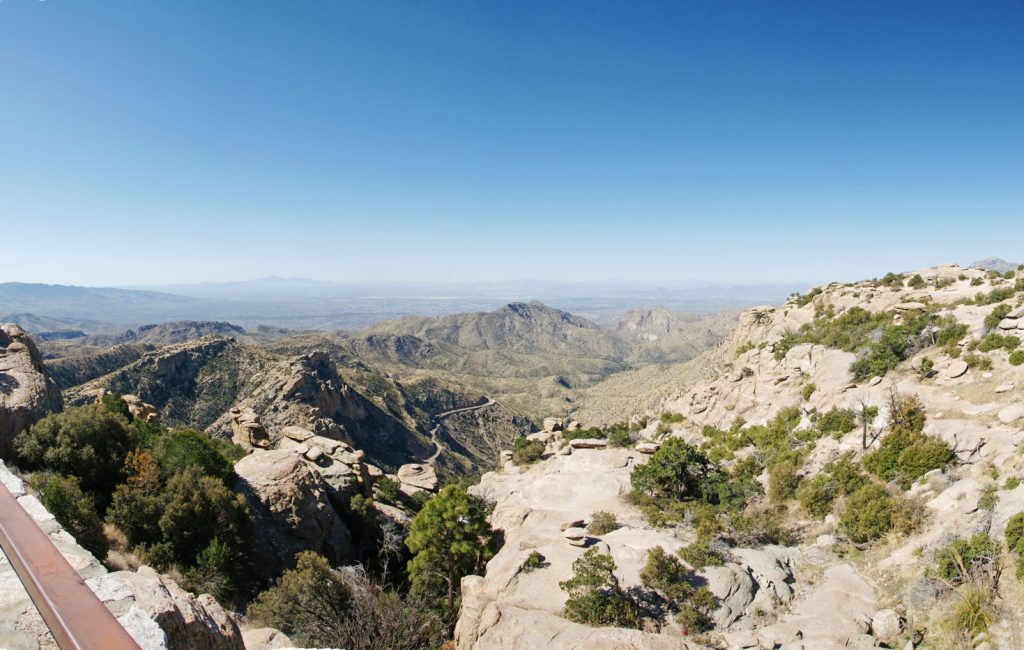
176,141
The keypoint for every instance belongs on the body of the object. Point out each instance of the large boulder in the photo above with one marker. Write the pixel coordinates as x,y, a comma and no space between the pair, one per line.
291,506
415,477
26,391
187,622
247,429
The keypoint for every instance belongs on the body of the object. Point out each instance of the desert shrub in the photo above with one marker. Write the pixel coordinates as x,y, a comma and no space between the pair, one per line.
137,503
1016,357
746,347
867,514
619,435
891,280
73,509
963,557
308,602
905,456
602,523
837,422
113,403
998,294
200,508
88,442
1015,532
178,449
988,499
757,527
996,341
666,574
525,452
592,432
978,361
817,495
950,332
996,315
595,596
807,391
977,282
1011,483
926,368
882,356
533,561
973,612
916,282
672,418
386,490
700,554
906,412
677,470
783,481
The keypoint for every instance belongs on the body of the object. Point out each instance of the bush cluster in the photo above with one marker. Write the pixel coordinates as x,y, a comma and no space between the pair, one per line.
665,574
595,596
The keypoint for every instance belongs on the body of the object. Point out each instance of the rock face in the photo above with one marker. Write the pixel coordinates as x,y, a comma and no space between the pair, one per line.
154,610
26,391
139,409
247,430
292,509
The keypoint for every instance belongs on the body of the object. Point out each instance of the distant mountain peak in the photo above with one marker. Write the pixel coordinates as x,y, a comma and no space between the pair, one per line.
994,264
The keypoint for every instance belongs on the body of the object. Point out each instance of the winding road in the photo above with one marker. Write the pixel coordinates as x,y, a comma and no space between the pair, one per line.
437,417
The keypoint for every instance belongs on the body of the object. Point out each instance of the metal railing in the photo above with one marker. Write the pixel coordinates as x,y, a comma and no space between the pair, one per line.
75,616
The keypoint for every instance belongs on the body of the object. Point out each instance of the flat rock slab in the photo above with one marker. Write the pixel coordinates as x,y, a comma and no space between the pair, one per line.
956,368
1005,388
588,443
1011,413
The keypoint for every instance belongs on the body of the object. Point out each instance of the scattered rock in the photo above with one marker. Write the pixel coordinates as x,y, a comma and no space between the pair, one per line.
956,368
648,447
1004,388
876,380
419,477
139,409
887,625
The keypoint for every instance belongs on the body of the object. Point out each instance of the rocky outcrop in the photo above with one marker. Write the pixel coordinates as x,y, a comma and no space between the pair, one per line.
247,429
155,611
292,509
26,391
139,409
413,478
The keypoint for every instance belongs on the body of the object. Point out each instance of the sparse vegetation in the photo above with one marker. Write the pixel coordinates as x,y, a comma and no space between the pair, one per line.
666,574
526,452
602,523
700,554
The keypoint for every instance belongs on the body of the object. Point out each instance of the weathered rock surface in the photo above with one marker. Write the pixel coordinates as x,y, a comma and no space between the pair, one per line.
414,477
26,391
247,429
292,509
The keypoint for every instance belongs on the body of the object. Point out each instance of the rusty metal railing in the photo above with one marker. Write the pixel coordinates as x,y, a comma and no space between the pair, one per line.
75,616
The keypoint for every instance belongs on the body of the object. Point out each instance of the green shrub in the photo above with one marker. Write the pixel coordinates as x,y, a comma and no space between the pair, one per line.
677,470
619,435
1017,357
595,597
817,495
916,282
837,422
308,602
950,332
73,509
114,404
746,347
178,449
977,282
996,341
1015,532
758,526
88,442
386,490
1011,483
807,391
905,456
959,560
868,514
699,555
666,574
978,361
783,481
926,368
525,452
672,418
138,502
602,523
533,561
996,315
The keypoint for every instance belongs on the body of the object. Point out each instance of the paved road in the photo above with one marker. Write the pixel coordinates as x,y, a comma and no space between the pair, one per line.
437,425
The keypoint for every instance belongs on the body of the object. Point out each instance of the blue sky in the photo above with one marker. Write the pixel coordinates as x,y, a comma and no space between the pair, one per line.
158,142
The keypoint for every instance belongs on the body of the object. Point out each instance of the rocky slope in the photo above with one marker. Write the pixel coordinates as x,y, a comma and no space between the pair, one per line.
823,591
27,393
157,613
